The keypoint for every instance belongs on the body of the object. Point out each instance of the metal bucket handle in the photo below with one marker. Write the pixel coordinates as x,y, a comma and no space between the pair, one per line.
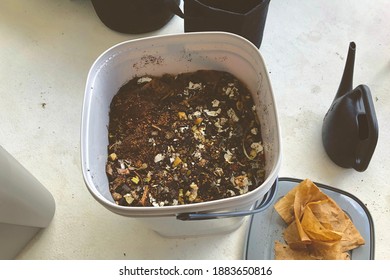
264,204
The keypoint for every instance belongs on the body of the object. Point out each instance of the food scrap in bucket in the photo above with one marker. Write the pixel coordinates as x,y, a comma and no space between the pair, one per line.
183,139
317,227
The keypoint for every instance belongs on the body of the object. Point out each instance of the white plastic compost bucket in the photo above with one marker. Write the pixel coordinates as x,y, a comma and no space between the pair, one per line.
174,54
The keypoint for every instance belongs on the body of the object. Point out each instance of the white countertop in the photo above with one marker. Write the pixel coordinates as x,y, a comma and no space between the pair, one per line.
47,48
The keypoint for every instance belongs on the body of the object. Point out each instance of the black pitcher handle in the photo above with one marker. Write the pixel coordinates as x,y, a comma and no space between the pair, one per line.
174,7
368,129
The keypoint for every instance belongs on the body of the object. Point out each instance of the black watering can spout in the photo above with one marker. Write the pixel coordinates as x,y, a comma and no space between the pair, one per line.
347,78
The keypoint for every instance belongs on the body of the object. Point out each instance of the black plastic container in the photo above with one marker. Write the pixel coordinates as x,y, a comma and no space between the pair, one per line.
134,16
243,17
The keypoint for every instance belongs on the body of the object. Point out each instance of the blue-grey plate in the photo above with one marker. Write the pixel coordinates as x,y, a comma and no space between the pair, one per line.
267,227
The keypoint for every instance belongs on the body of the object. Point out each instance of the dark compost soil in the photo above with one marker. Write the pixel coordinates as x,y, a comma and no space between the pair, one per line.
183,139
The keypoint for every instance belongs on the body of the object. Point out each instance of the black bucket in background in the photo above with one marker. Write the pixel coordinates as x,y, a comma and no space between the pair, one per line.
134,16
244,17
